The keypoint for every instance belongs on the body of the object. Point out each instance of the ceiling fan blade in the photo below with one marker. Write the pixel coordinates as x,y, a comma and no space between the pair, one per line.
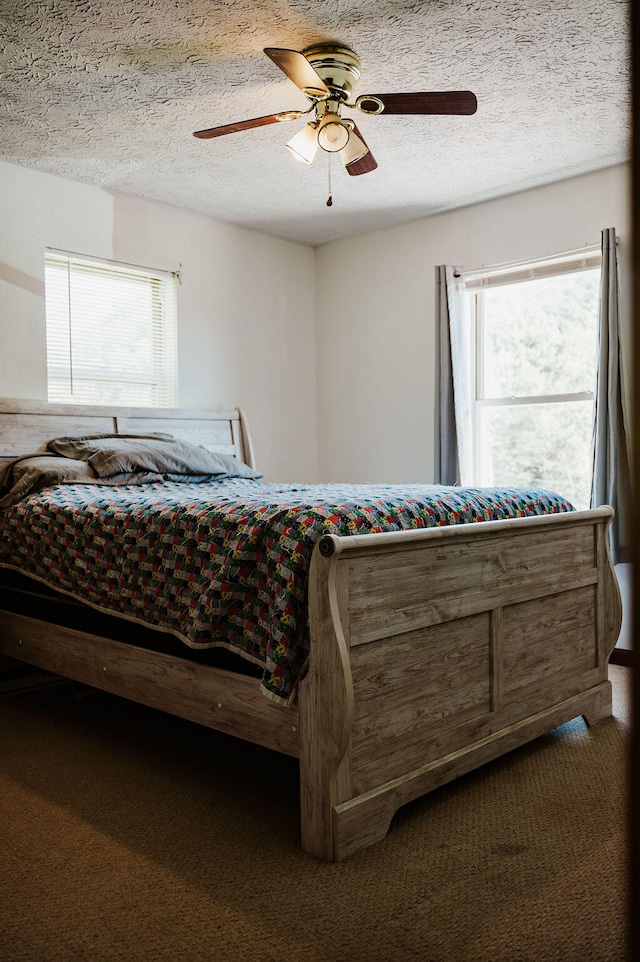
297,68
233,128
431,102
365,164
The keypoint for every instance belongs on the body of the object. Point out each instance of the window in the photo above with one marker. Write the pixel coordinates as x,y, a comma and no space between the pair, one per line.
535,329
111,332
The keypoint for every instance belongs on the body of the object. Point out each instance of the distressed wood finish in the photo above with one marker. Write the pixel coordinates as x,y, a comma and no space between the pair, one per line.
26,426
365,819
326,709
432,651
464,642
212,697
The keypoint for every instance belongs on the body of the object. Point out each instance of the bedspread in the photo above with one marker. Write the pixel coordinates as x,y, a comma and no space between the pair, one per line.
223,563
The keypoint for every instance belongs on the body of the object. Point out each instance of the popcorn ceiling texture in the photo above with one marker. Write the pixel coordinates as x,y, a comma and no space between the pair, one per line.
108,92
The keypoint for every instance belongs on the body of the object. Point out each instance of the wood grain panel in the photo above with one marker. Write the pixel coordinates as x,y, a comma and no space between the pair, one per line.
365,819
28,433
214,435
428,745
531,659
386,617
406,690
470,565
496,659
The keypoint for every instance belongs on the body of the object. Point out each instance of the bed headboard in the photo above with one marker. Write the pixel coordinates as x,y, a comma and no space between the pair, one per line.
26,426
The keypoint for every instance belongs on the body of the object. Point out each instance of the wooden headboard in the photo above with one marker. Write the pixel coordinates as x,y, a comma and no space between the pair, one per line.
26,426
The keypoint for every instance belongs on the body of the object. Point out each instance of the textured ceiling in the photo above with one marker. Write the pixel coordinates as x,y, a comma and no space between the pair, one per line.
109,92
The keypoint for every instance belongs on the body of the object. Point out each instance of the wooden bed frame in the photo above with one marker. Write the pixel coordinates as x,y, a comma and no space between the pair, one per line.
432,651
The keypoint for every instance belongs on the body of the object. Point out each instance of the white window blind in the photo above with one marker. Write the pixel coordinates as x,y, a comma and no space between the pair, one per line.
111,332
585,259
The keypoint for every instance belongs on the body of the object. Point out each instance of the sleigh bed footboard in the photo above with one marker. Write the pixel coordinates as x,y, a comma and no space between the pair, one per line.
434,651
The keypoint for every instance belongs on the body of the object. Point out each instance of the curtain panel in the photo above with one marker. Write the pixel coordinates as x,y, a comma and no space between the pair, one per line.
456,379
446,446
611,481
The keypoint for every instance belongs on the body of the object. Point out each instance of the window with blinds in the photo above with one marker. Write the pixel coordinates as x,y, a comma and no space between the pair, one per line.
111,332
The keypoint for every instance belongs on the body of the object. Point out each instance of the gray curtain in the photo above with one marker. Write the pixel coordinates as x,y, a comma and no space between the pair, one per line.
446,447
611,482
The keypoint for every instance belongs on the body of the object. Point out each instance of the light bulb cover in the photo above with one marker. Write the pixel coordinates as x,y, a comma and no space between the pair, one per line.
333,134
355,149
304,144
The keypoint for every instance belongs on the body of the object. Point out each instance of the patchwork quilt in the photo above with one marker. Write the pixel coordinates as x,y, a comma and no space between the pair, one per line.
223,563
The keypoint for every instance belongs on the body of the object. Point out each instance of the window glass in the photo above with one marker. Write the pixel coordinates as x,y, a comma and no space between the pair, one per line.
538,445
539,336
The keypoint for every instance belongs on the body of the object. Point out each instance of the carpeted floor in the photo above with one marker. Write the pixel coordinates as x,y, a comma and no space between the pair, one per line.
131,836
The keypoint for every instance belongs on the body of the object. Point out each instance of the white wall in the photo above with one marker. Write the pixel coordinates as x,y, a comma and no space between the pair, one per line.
246,306
38,211
376,326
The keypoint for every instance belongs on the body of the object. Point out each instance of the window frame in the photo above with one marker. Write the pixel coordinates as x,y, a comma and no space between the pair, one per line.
475,282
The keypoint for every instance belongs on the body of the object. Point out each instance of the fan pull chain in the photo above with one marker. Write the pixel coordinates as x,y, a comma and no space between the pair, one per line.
330,197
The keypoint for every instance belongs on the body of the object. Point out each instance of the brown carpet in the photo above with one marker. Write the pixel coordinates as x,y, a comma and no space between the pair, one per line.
131,836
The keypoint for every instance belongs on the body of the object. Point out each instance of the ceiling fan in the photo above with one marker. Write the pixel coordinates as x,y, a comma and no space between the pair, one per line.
326,73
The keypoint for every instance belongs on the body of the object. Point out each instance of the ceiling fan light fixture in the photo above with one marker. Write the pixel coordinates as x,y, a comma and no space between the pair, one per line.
334,133
327,74
355,150
304,144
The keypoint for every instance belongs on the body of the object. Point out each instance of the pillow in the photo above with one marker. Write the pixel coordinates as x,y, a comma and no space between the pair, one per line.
116,454
32,473
83,447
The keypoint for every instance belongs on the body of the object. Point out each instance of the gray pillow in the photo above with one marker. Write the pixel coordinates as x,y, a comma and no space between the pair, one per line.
33,473
161,454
